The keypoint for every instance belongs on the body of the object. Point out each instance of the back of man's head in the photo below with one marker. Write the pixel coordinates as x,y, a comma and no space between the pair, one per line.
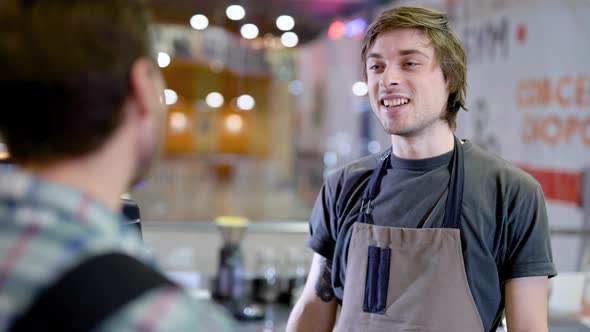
65,73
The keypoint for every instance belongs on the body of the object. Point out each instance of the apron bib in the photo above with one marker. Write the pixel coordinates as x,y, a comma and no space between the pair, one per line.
408,279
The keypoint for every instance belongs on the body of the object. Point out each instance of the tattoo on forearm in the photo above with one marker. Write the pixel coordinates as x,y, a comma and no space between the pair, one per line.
323,287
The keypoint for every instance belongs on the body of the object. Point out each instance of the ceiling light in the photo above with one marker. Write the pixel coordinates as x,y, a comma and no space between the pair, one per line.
170,97
178,122
355,28
330,159
344,148
199,22
289,39
4,152
249,31
235,12
216,66
337,30
246,102
285,22
234,123
163,60
360,89
214,100
296,87
374,147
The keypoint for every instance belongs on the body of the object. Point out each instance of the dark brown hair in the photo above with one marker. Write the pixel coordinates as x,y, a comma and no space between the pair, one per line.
65,73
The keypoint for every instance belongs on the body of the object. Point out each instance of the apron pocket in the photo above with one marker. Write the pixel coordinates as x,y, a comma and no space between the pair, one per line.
377,280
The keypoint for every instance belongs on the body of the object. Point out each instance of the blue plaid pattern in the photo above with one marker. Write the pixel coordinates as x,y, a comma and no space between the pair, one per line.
47,228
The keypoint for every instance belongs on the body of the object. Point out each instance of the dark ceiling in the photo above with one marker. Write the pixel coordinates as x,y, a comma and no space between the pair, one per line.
311,16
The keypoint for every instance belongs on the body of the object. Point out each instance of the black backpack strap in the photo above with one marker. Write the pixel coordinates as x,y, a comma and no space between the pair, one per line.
89,293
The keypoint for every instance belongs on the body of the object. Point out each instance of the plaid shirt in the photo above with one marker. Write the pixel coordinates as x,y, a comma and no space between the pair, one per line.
47,228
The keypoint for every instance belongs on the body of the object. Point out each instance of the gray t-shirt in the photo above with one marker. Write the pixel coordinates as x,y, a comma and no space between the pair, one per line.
504,228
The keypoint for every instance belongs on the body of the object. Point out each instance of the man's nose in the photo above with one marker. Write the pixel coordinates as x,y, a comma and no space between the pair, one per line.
391,77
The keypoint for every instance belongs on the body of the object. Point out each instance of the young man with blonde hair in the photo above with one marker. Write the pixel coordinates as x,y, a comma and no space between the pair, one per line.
434,234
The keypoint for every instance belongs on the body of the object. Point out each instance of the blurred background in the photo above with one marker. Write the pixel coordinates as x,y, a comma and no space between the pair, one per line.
266,98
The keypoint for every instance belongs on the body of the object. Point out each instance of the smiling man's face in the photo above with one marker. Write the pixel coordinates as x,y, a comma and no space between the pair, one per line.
407,89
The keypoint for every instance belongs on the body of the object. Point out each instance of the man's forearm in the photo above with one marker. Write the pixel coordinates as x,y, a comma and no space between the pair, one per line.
316,308
311,317
526,304
323,286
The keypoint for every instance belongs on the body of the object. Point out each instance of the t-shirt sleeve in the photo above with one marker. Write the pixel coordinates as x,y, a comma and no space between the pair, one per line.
528,243
322,223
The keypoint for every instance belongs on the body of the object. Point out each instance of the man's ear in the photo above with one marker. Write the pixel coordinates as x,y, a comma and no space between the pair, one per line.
141,85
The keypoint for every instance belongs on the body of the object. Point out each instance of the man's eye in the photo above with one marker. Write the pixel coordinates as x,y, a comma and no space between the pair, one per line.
374,67
411,64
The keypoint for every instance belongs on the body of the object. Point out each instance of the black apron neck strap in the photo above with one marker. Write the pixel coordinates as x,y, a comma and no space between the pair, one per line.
454,197
373,187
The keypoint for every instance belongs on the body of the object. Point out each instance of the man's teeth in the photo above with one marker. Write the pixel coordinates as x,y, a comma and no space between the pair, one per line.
395,102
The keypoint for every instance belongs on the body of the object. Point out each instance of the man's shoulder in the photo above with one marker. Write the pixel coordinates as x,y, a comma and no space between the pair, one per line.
44,243
47,239
486,166
181,312
355,170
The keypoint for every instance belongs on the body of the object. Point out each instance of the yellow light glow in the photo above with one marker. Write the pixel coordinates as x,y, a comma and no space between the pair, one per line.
234,123
231,221
178,122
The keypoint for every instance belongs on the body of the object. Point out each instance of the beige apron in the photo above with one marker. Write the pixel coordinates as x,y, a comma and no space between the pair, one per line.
406,279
